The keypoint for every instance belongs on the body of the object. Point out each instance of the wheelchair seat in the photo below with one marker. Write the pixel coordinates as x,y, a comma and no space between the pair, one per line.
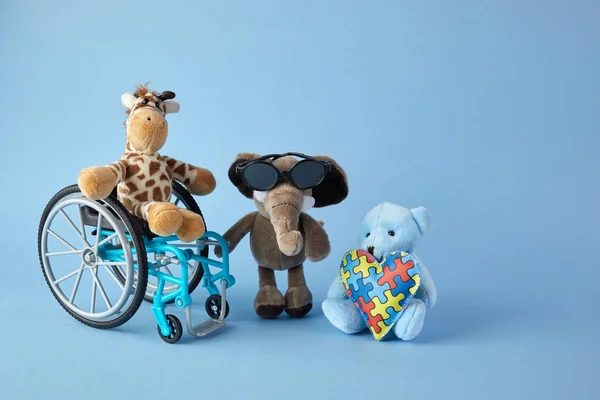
90,218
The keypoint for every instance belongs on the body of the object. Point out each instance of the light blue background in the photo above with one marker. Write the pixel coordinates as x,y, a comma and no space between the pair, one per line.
486,112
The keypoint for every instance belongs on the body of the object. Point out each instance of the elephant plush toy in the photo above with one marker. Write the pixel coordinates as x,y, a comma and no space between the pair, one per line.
392,232
282,235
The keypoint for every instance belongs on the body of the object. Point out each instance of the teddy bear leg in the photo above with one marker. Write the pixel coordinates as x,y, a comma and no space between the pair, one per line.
269,302
298,298
340,310
164,219
411,321
343,314
192,226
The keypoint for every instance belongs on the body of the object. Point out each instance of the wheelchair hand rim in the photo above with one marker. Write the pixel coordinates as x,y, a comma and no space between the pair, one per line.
79,200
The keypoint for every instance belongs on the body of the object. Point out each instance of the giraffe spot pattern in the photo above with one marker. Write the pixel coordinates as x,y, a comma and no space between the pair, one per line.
154,167
180,171
157,194
146,178
132,187
132,169
142,197
127,203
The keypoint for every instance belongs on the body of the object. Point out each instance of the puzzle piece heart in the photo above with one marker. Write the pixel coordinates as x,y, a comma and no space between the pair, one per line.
380,291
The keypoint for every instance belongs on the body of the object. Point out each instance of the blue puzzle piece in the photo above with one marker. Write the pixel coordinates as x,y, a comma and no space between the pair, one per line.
402,287
363,290
350,264
381,297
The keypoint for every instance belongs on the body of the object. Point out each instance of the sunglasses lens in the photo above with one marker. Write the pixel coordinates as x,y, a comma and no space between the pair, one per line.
260,176
307,174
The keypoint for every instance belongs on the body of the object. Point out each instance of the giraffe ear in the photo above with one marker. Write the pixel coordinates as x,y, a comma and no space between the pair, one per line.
128,100
171,107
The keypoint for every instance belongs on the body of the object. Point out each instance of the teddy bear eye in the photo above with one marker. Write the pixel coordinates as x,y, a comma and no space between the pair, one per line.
391,233
157,104
145,101
368,234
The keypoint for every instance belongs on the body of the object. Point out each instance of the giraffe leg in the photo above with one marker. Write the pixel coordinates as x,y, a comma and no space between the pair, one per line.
269,301
192,226
164,219
298,298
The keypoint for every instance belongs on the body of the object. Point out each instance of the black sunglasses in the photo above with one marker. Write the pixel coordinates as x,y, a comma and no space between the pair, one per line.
261,175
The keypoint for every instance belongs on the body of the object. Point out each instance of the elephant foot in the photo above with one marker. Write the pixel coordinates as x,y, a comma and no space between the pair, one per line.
269,302
298,301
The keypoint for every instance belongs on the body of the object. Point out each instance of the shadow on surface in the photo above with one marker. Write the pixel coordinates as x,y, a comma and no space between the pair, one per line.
471,316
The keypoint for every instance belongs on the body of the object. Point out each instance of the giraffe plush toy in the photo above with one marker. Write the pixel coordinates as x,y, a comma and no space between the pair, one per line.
143,176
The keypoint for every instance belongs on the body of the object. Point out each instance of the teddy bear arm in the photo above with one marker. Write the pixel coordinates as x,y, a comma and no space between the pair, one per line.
317,246
198,181
336,289
427,291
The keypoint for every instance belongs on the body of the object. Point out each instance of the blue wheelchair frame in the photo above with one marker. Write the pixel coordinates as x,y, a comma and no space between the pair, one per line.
181,295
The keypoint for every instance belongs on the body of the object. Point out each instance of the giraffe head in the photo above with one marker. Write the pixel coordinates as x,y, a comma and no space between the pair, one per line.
146,125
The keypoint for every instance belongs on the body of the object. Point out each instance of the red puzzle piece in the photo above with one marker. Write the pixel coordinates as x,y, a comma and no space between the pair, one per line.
360,253
366,308
401,270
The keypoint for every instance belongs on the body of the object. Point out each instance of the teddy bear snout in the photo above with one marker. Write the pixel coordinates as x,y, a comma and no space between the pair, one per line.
371,249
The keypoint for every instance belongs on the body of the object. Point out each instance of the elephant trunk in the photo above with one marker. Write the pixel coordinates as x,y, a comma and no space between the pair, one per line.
284,207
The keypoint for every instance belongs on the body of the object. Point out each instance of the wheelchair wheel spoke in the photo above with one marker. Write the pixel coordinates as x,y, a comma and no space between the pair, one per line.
98,231
64,278
176,201
101,288
115,263
93,302
112,274
105,240
70,221
168,270
81,221
76,285
63,253
63,241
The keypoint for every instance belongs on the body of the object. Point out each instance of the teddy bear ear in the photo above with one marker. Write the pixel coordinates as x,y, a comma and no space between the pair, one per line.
422,218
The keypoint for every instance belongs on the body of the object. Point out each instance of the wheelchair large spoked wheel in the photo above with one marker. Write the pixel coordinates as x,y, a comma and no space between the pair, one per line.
181,198
69,246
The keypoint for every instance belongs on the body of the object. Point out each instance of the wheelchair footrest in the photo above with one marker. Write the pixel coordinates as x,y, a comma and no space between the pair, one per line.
203,329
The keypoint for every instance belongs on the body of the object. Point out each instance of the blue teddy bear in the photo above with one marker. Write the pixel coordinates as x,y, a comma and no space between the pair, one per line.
387,228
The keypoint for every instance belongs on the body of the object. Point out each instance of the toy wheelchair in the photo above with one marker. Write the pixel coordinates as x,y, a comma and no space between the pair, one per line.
103,244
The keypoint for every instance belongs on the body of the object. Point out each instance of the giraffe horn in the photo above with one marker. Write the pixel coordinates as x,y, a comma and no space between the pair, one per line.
166,95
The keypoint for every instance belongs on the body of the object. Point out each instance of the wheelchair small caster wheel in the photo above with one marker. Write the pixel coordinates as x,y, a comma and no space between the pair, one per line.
176,328
213,306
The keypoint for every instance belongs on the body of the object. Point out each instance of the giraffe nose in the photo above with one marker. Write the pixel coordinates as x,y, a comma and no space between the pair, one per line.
149,119
371,249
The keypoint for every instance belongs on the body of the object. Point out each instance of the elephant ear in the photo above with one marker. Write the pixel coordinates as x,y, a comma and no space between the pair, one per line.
235,179
334,188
